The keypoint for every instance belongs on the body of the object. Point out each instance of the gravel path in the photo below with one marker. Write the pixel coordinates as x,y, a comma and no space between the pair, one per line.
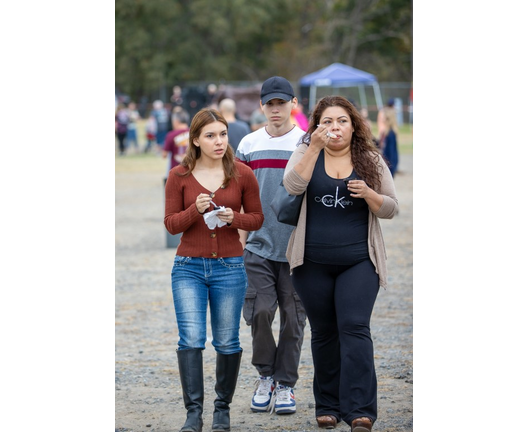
148,392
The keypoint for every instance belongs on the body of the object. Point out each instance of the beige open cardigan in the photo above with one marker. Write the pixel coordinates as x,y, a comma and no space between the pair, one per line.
295,185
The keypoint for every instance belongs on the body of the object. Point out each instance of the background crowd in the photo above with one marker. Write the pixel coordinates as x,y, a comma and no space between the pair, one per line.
158,117
162,119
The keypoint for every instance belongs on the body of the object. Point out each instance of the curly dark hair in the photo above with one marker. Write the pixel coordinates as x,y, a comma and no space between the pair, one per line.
365,156
204,117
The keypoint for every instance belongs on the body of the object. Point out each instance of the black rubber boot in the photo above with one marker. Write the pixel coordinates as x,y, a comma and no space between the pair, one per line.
227,374
192,379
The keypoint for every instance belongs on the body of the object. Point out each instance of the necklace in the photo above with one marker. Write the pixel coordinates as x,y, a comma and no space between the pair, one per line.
277,136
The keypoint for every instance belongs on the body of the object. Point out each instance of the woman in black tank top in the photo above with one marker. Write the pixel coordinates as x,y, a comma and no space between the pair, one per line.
338,281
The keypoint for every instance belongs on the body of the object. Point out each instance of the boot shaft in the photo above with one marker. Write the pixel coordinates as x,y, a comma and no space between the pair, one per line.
227,374
192,378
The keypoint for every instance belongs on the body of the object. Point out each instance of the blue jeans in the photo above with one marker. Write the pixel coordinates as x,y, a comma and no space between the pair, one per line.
132,139
222,282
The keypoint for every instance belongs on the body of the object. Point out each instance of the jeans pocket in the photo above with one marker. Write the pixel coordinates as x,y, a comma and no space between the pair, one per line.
180,261
247,310
300,310
232,262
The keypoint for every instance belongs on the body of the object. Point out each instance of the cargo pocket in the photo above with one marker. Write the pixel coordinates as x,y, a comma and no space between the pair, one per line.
249,304
300,310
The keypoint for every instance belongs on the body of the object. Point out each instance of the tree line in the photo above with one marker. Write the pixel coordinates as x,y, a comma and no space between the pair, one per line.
161,43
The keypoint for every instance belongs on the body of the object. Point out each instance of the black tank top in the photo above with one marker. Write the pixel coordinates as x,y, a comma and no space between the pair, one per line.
337,223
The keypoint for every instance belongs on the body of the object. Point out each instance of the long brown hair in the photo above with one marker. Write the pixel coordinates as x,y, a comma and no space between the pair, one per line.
204,117
362,145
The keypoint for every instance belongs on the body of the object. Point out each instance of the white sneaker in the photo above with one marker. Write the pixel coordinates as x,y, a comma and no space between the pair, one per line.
264,387
283,400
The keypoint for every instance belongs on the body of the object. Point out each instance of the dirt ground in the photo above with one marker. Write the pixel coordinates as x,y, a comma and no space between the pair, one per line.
148,395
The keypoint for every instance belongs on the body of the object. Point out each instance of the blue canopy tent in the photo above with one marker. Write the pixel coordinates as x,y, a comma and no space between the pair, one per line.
339,75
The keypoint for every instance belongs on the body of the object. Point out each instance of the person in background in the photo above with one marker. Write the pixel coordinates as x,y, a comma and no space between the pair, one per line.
299,118
267,151
210,99
122,122
177,140
150,130
208,266
237,128
177,99
337,256
410,107
258,119
387,135
134,116
161,116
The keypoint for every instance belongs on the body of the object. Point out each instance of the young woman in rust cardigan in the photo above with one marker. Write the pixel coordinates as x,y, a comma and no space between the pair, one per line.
337,257
208,266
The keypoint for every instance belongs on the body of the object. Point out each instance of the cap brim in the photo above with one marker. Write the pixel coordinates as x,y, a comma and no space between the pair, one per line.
271,96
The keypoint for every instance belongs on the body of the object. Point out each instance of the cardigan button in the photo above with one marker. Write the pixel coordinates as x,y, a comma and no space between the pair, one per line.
214,254
213,235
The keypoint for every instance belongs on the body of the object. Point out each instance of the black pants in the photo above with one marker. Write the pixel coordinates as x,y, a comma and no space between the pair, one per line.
121,141
338,300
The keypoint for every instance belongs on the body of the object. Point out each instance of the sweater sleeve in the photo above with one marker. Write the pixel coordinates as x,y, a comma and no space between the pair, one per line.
292,181
390,205
252,219
178,217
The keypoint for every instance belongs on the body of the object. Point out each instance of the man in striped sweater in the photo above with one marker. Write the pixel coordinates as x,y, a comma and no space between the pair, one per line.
267,151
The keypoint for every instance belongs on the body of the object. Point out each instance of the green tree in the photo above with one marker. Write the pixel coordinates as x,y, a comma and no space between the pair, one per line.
159,43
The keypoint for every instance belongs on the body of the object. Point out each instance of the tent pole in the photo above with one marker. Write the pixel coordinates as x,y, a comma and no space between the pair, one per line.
363,100
378,97
312,97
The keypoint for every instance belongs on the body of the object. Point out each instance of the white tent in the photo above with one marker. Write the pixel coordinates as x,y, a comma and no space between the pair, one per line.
339,75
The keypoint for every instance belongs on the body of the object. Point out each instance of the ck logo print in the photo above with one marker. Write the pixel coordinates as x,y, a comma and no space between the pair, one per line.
334,201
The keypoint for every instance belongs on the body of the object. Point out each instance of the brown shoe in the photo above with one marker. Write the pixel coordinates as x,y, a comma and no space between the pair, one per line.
361,424
326,421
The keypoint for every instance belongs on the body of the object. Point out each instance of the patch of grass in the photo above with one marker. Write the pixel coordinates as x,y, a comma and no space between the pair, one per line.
141,162
405,139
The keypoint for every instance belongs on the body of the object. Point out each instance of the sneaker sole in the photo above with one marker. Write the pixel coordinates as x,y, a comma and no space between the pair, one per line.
288,410
259,408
